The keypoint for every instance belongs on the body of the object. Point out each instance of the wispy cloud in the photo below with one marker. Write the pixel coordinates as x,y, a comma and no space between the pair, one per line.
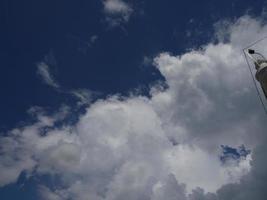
93,39
82,45
117,11
44,72
84,95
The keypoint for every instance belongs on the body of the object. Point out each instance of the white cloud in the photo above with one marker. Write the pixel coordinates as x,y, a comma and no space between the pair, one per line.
163,147
93,39
117,11
46,193
84,95
44,71
116,7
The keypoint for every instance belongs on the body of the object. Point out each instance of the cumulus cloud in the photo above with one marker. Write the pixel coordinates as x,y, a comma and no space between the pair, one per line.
163,147
117,11
253,184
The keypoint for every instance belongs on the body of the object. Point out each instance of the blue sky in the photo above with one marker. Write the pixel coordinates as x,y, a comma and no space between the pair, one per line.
54,52
113,64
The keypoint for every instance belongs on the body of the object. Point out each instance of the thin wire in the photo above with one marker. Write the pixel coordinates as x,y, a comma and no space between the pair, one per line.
260,55
253,43
255,84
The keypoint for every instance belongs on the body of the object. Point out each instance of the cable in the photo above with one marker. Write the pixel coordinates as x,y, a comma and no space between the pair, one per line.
253,43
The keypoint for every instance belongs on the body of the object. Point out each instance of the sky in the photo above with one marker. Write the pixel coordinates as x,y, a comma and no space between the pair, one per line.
116,99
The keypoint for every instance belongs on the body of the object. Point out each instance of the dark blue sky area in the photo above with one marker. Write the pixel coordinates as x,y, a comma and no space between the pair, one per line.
30,29
113,64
